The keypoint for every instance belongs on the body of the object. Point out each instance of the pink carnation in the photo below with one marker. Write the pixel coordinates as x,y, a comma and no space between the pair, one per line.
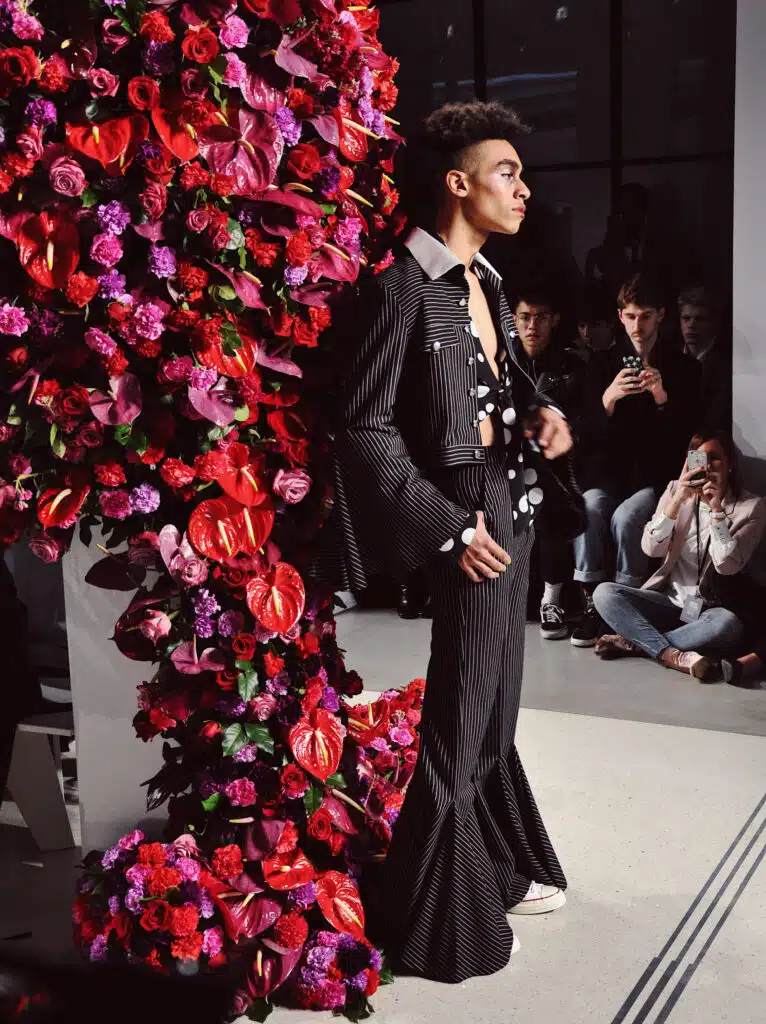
25,26
106,249
188,868
236,70
233,35
402,735
13,320
241,792
100,342
115,504
212,941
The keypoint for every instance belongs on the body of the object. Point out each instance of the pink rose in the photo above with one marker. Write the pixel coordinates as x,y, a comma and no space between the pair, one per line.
30,143
198,220
67,177
241,793
114,34
292,485
155,625
154,199
46,548
102,82
185,845
263,706
221,238
90,435
190,571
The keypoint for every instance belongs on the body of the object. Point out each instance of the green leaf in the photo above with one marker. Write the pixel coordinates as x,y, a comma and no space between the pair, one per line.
234,739
259,735
237,239
57,443
226,292
337,781
241,413
260,1009
312,799
243,666
92,109
242,253
247,685
328,208
212,802
88,198
122,433
386,976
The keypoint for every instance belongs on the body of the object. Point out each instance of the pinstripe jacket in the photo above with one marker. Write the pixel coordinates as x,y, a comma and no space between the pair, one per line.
409,407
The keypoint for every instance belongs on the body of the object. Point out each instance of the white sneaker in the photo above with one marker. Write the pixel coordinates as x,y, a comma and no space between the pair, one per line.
516,944
540,899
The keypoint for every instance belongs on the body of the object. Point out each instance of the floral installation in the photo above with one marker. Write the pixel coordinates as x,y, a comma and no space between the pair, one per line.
185,189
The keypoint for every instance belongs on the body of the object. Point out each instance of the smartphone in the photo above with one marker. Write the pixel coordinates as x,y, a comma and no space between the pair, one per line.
633,363
697,460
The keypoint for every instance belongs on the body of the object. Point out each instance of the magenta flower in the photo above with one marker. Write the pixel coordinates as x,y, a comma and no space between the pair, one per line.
233,35
106,249
212,941
241,793
115,504
13,320
100,342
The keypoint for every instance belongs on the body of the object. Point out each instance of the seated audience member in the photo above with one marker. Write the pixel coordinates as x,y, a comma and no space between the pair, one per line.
636,412
700,319
556,373
595,328
705,529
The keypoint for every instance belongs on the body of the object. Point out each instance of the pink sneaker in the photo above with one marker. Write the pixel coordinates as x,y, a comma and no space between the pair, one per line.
540,899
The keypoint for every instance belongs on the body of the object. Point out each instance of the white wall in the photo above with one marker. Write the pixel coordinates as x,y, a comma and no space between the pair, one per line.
750,241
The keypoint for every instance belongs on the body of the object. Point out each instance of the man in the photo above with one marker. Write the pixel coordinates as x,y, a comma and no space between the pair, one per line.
595,328
556,373
700,318
638,412
430,469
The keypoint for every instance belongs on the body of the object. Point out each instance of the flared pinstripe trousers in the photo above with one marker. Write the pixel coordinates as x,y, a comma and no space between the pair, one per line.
469,838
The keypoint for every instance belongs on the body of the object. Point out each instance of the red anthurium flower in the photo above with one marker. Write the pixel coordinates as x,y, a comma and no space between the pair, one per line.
177,134
139,131
49,248
256,526
104,142
317,743
353,141
240,364
277,598
59,505
215,528
366,721
285,871
248,148
243,481
338,899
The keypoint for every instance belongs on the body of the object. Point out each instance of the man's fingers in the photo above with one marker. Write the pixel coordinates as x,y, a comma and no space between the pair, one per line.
500,553
470,572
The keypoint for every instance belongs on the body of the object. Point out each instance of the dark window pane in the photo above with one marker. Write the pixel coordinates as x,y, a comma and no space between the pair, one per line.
550,60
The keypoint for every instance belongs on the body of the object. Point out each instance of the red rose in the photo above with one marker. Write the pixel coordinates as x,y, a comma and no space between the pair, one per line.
305,161
227,862
162,879
194,176
320,317
157,917
200,113
227,680
176,473
294,781
159,164
185,921
243,646
320,825
70,404
81,289
304,334
299,249
18,66
156,27
300,102
291,930
188,948
273,664
235,577
143,93
154,199
200,44
212,465
210,730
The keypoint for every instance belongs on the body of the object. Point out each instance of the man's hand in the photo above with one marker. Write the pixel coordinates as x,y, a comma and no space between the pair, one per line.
550,430
651,381
625,383
483,558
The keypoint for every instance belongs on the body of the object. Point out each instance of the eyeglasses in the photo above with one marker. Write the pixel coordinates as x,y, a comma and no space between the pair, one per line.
528,318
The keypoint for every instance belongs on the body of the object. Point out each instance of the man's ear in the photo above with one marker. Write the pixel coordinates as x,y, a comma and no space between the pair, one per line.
660,315
456,183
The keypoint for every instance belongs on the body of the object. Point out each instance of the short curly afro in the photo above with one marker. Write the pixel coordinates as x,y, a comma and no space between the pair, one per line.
441,144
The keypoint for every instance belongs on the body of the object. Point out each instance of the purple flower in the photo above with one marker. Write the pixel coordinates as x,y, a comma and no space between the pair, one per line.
46,323
131,840
145,499
373,119
290,711
202,379
326,938
138,874
329,699
13,320
162,261
188,868
347,943
359,981
330,178
204,627
205,904
133,898
112,285
158,59
230,622
114,217
295,276
320,957
312,978
347,234
232,706
246,755
366,81
303,897
100,342
41,113
111,857
114,905
376,960
205,604
114,3
98,948
289,126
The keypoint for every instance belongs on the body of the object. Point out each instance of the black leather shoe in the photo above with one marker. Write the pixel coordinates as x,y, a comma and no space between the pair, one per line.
427,609
408,606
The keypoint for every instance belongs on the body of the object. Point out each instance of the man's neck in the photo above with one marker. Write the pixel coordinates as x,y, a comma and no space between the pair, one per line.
700,351
645,348
461,238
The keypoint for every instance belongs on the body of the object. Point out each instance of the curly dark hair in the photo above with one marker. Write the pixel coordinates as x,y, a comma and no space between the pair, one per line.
441,145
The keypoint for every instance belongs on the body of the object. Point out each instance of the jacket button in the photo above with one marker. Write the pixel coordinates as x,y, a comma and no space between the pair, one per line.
477,453
436,346
476,423
471,361
472,392
463,302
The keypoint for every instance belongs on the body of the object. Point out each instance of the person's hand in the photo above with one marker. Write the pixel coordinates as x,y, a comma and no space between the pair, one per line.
483,558
625,383
651,380
690,486
713,491
551,432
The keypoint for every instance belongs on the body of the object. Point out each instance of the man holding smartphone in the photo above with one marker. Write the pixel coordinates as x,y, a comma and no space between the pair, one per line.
430,469
639,406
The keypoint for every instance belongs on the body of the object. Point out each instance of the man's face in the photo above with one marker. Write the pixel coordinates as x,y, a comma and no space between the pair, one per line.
536,324
493,195
641,323
698,328
598,335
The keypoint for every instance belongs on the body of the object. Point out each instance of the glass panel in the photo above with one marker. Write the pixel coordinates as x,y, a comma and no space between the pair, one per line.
679,72
550,60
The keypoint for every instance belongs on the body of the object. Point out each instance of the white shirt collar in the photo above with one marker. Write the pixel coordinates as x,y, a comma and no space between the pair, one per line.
435,259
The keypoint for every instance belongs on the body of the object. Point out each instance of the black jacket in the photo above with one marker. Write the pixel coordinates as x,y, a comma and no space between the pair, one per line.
641,444
408,409
558,374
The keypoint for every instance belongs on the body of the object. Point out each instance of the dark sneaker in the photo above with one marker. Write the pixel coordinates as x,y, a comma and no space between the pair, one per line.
552,624
590,629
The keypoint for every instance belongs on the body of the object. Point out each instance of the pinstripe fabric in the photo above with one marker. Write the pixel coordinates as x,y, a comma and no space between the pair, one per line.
469,838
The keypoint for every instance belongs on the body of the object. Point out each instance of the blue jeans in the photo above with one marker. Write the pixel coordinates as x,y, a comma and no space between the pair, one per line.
625,521
652,622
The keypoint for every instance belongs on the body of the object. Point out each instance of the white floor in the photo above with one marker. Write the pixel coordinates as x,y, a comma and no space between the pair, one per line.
659,827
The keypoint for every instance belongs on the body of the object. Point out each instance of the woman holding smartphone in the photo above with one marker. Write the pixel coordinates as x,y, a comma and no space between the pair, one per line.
705,529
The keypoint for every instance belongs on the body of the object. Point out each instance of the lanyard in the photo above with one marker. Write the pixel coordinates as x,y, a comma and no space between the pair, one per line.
701,558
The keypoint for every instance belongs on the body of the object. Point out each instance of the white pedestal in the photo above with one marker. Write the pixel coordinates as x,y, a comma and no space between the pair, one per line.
111,762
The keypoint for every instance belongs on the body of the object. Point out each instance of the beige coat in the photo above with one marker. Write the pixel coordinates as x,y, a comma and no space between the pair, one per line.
746,518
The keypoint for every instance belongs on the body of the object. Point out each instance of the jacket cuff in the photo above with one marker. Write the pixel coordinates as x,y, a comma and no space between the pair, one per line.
456,545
